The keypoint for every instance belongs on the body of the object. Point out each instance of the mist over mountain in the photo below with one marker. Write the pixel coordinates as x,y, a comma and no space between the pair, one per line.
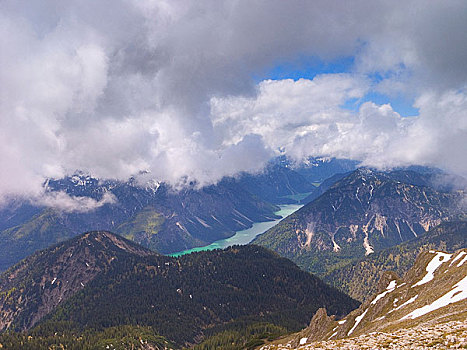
154,214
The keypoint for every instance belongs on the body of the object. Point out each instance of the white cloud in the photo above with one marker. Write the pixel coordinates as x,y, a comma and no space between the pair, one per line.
309,120
114,87
286,111
68,204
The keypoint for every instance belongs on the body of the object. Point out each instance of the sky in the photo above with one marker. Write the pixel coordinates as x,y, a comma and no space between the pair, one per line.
197,90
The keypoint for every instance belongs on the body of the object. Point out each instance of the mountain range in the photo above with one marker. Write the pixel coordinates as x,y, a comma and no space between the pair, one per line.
152,214
99,280
358,231
99,290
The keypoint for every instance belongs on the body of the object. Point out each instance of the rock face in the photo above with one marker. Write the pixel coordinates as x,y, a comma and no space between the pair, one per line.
362,213
318,328
37,285
433,291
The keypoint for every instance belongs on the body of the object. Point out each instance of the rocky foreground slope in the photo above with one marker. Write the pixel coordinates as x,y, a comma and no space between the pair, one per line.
427,307
450,335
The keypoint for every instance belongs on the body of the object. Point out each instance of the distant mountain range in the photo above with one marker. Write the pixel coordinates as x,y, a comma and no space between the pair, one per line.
157,216
99,281
277,184
154,214
425,308
362,212
318,169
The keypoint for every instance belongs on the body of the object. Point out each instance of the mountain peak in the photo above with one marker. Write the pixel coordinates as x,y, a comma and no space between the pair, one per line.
361,213
109,241
51,276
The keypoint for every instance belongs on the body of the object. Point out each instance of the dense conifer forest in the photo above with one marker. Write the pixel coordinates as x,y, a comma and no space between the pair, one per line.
236,297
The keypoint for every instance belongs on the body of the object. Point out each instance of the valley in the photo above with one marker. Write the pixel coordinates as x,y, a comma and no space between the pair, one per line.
100,287
150,213
233,175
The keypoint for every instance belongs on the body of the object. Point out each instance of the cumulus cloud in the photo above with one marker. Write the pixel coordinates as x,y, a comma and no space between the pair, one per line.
116,87
284,112
310,120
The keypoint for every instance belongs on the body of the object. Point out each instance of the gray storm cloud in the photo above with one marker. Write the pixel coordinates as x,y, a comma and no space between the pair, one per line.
117,87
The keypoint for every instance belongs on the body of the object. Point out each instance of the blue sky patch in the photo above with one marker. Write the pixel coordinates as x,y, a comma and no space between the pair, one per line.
306,68
400,104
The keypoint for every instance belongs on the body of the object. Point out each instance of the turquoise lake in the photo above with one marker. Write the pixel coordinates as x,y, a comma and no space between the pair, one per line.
245,236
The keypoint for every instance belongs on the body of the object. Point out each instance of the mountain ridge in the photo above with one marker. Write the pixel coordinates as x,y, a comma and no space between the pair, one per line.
359,279
35,286
364,212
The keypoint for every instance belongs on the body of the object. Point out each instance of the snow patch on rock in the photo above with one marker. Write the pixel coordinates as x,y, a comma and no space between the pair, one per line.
358,319
432,266
411,300
457,257
458,293
391,286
